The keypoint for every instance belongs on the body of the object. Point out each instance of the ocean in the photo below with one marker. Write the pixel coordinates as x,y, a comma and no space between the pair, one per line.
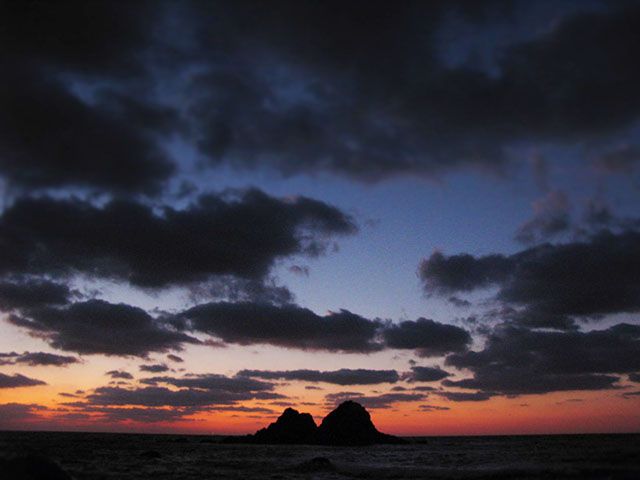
134,456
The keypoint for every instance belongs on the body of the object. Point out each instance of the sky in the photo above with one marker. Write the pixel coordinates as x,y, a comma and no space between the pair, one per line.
215,210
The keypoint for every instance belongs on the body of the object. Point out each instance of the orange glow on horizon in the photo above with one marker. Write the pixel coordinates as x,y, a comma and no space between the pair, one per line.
556,413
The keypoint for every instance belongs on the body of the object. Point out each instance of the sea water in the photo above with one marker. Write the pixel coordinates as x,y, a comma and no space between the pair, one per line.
132,456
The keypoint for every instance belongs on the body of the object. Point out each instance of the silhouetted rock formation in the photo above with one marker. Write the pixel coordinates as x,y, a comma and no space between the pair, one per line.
291,427
349,424
31,467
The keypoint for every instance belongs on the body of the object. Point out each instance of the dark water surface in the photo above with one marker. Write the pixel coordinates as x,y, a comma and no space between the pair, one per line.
127,456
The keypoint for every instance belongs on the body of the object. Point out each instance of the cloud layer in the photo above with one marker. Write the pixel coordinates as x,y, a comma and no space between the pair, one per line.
37,359
519,361
285,326
16,381
270,86
291,326
582,279
156,247
100,327
344,376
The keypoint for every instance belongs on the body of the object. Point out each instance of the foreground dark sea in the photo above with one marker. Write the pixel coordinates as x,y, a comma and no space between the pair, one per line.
129,456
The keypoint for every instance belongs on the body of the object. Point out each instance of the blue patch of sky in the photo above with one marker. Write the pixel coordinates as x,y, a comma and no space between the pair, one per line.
374,272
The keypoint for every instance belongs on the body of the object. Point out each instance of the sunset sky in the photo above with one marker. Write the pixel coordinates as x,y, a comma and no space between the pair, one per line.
213,210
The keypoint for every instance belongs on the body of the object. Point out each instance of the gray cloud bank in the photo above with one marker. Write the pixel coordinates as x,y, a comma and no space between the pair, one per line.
583,279
276,85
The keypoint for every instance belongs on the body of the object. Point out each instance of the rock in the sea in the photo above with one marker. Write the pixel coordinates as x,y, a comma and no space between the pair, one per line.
31,467
291,427
350,424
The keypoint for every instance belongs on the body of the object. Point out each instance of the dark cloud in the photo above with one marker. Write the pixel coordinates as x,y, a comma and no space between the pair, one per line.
594,277
426,374
175,358
49,136
579,69
99,327
427,337
157,368
189,397
37,359
213,382
518,361
533,318
459,273
423,389
577,79
119,374
504,383
120,414
631,394
598,213
42,358
590,278
302,270
622,159
570,400
339,397
78,36
551,217
276,84
240,408
31,293
401,110
385,400
14,415
291,326
235,289
432,408
287,326
635,377
239,235
346,123
143,415
343,376
465,396
90,327
459,302
16,380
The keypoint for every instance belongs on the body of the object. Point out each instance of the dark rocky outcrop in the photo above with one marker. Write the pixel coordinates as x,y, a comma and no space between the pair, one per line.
31,467
291,427
349,424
